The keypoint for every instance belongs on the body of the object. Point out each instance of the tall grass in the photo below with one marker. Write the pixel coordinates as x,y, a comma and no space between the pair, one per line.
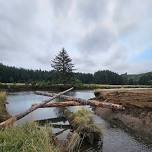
82,120
85,131
3,113
27,137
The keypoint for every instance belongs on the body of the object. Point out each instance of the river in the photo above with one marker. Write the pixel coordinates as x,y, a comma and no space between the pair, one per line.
114,139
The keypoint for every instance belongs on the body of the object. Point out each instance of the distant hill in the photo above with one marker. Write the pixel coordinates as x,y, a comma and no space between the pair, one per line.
135,77
143,78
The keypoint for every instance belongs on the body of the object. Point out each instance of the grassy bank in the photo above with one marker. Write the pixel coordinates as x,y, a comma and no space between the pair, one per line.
57,87
27,138
32,87
3,113
107,86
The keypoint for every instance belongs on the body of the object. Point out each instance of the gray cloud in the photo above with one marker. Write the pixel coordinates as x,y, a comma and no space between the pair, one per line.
98,40
98,34
90,11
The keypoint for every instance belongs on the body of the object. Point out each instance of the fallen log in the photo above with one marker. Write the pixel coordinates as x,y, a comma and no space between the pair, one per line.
83,101
12,120
60,104
74,103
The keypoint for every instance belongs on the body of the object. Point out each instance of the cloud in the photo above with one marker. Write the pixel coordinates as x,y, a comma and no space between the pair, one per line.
97,34
98,40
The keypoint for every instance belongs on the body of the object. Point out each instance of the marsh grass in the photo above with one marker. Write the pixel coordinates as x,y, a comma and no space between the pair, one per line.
27,137
2,101
3,113
85,131
107,86
82,120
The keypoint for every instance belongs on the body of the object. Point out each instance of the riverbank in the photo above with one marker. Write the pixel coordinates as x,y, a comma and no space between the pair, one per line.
137,116
57,87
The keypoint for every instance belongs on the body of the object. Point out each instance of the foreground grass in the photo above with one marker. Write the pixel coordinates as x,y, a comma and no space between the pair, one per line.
26,138
3,113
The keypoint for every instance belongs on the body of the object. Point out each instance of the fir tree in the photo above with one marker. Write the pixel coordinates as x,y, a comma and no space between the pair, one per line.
63,66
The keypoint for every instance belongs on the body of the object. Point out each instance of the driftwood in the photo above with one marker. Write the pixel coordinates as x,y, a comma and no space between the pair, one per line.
82,101
33,108
74,103
60,104
141,98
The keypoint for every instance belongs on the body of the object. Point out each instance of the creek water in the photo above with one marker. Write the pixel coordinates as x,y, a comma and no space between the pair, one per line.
114,139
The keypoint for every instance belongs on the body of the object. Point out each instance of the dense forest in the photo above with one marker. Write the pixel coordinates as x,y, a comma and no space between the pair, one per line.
19,75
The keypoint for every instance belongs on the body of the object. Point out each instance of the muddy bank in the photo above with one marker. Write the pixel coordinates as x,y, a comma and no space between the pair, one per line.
137,116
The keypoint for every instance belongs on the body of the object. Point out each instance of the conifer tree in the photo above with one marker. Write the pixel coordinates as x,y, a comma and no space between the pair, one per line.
63,66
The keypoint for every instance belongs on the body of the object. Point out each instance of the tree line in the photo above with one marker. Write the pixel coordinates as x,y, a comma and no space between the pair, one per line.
10,74
63,73
19,75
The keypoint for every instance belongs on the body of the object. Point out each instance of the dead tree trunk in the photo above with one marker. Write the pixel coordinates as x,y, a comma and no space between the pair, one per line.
33,108
60,104
84,102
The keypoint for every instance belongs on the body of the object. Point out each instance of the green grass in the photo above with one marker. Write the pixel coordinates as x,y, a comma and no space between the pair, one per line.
27,137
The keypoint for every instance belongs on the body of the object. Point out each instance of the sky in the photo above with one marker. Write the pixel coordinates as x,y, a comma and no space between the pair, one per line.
97,34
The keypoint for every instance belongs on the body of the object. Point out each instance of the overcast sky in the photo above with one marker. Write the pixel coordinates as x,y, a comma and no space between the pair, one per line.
97,34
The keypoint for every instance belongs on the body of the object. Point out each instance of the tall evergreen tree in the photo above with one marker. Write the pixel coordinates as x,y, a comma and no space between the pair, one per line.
63,66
